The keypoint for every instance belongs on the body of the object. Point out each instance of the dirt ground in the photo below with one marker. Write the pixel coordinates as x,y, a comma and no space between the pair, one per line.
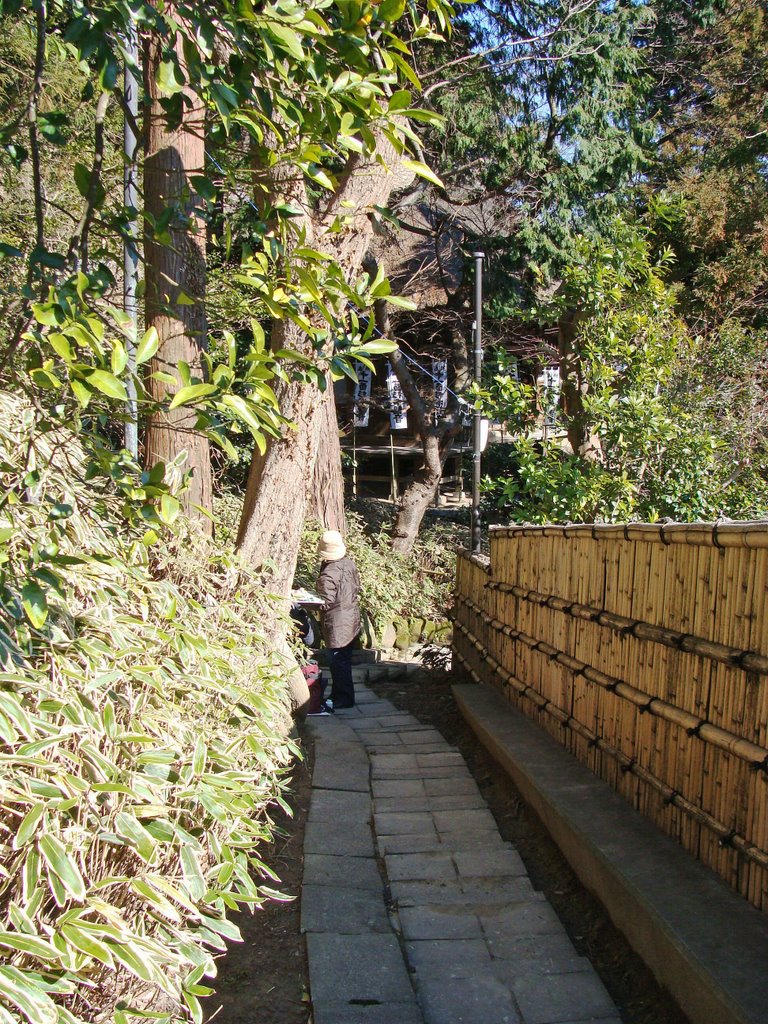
264,979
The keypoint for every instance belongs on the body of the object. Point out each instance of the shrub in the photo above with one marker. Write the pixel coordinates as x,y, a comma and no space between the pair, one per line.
142,741
418,585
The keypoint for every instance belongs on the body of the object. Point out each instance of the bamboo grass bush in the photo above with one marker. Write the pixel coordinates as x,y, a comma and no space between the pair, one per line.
142,743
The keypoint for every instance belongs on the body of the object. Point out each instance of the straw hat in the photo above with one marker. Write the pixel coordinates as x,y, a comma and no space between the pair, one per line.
331,546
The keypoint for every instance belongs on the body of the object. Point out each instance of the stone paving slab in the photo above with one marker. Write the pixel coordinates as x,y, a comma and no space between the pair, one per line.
556,1003
393,789
338,775
528,917
485,895
339,805
448,958
414,866
475,1000
450,785
405,823
553,953
384,805
464,820
488,838
357,968
355,840
366,1013
354,872
414,843
490,863
455,775
438,922
343,910
445,926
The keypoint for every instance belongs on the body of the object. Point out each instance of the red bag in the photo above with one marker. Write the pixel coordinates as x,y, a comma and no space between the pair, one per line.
316,688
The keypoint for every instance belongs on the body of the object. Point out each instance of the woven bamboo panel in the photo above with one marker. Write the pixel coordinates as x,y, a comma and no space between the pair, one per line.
644,650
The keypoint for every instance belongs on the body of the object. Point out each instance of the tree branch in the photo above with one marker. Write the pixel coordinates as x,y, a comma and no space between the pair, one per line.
79,239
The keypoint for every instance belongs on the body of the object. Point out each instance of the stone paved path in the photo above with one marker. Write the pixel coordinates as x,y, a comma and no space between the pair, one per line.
415,910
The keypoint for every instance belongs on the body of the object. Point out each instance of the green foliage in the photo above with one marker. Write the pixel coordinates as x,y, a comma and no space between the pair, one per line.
143,717
418,585
665,445
299,88
709,98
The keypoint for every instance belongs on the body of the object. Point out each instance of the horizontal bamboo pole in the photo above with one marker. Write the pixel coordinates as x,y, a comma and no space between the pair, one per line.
726,836
718,534
481,561
755,755
750,661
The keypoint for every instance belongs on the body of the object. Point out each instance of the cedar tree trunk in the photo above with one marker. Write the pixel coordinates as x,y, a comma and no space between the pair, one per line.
175,276
276,496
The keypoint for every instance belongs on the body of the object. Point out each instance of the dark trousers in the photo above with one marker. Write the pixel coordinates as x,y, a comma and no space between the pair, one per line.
342,686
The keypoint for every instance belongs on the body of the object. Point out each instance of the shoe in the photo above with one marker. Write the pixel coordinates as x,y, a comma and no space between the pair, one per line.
328,704
342,707
318,714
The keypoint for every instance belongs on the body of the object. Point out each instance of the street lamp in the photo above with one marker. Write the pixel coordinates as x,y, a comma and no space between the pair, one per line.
130,243
476,417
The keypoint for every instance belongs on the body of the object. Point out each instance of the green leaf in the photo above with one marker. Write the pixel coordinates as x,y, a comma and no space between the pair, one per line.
420,168
147,346
169,77
33,944
399,100
119,357
108,384
380,347
82,393
35,604
129,828
401,302
87,943
193,876
287,39
169,508
391,10
191,393
28,826
60,346
20,990
62,864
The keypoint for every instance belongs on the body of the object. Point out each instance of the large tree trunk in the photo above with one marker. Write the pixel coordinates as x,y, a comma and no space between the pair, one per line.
325,493
175,271
581,438
419,494
270,530
276,500
435,441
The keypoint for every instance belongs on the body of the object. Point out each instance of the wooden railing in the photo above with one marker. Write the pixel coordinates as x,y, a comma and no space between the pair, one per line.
644,650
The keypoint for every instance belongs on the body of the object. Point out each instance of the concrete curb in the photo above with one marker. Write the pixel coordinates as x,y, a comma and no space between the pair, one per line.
703,942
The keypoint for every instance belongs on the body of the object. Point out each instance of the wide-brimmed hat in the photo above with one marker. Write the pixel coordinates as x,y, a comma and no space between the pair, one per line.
331,547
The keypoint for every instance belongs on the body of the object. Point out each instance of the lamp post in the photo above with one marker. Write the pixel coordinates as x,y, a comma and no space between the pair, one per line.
130,245
476,417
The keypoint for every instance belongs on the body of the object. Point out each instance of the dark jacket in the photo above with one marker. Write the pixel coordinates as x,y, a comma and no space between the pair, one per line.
339,585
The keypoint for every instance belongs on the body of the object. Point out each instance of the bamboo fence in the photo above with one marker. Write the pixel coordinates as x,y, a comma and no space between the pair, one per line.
643,649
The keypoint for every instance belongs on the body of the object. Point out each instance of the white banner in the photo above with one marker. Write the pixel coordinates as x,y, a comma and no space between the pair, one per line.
440,382
362,395
549,383
398,407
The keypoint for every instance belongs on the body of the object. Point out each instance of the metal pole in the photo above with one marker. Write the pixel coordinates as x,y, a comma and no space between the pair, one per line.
476,418
130,244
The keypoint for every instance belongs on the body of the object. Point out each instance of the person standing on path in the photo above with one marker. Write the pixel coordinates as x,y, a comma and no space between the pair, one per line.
339,586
